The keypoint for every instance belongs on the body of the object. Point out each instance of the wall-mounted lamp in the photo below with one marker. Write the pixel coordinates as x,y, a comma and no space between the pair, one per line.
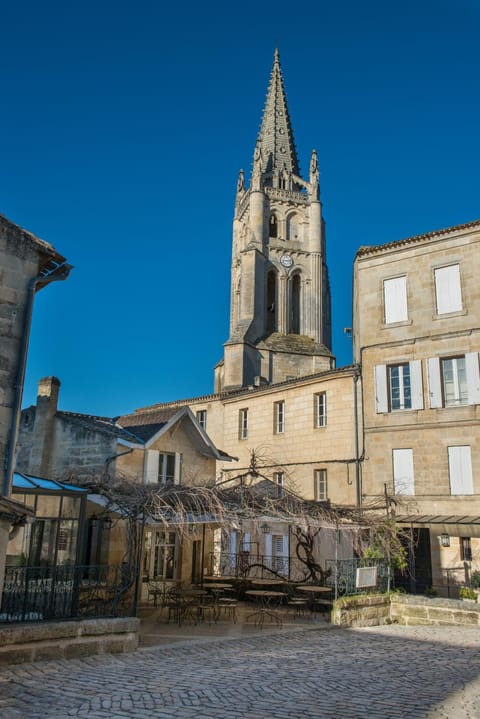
265,528
445,539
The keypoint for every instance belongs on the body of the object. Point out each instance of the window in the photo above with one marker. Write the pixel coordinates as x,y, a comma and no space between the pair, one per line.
159,555
243,424
279,417
162,467
454,381
460,470
399,386
448,292
403,471
202,418
395,300
465,549
279,479
320,485
295,302
166,467
320,409
273,226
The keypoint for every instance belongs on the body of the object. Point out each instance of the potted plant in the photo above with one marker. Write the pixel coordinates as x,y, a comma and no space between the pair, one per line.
467,594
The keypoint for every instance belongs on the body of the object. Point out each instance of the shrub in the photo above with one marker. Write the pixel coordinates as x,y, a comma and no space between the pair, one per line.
467,593
475,579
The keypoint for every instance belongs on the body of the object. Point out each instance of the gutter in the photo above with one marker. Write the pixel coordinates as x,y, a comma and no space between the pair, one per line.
58,272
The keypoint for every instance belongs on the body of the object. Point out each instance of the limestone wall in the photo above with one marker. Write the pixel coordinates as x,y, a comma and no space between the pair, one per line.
54,640
374,610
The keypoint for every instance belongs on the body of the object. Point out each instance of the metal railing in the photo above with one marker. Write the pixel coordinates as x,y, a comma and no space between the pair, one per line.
66,592
340,574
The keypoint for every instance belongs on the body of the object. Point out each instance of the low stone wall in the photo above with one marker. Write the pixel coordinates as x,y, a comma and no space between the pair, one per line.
367,610
414,609
54,640
364,610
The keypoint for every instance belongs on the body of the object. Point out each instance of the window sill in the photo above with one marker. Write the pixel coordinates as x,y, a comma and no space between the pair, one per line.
449,315
394,325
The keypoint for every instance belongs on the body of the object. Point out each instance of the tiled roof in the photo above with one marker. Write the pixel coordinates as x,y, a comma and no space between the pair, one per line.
105,425
373,249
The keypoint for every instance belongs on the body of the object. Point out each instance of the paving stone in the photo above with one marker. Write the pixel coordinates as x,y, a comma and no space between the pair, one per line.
396,671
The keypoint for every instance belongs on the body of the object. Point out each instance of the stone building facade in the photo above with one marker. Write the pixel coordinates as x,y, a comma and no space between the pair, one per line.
27,264
417,339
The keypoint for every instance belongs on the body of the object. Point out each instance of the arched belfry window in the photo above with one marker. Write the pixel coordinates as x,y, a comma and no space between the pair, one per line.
271,319
295,298
273,226
293,227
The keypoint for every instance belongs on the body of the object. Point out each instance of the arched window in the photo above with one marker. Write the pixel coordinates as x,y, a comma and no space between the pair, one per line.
271,302
295,294
293,227
273,226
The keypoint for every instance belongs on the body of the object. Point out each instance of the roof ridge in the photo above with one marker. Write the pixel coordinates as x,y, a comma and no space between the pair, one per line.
371,249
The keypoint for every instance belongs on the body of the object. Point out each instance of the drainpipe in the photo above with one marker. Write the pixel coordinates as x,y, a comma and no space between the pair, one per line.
358,480
60,272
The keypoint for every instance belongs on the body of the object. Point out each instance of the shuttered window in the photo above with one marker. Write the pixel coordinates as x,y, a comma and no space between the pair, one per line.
448,291
395,300
403,481
460,470
454,381
399,386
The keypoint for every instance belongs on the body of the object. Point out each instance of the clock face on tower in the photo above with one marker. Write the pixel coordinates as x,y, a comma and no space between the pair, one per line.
286,261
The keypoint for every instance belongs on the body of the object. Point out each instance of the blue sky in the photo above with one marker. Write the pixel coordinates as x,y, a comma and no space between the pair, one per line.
122,130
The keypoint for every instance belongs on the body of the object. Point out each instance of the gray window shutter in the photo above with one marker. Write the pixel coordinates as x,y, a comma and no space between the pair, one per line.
381,395
268,549
416,384
150,466
460,470
434,382
233,542
177,477
473,377
403,471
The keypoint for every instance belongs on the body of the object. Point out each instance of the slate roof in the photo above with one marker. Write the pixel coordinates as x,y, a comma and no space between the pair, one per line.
145,425
104,425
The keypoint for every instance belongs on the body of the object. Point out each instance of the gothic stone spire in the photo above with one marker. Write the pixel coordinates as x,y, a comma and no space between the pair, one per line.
276,135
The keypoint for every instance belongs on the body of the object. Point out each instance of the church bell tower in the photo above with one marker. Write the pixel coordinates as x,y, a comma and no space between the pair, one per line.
280,325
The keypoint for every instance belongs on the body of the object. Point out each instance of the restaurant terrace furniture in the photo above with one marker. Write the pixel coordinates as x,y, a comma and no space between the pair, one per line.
266,598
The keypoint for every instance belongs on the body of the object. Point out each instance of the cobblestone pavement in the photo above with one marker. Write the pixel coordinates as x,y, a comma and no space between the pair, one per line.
319,673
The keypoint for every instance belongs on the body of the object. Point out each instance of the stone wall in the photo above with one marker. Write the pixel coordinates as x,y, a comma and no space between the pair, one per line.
374,609
53,640
366,610
408,609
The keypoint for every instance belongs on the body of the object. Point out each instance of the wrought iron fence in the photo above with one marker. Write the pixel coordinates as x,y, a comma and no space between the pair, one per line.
67,592
340,574
343,575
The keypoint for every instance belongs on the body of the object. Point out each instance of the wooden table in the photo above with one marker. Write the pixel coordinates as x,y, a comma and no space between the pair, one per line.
314,591
265,596
268,582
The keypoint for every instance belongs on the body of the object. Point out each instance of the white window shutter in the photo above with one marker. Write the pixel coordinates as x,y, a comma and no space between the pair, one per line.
403,480
150,466
233,542
434,382
460,470
448,289
416,384
381,395
473,377
268,549
177,477
246,541
395,300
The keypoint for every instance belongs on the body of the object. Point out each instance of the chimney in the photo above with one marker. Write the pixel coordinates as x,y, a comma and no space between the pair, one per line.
47,395
42,455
